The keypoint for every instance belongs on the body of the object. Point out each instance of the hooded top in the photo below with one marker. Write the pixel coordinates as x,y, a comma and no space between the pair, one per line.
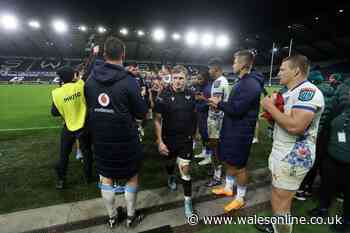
327,90
241,113
114,102
339,148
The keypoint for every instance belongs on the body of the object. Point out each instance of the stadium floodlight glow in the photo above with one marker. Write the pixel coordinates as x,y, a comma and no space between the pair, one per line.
158,34
60,26
207,40
9,22
176,36
124,31
341,10
191,38
34,24
101,30
82,28
140,33
222,41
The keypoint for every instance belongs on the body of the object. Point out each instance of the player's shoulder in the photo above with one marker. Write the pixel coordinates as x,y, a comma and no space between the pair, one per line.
219,82
223,80
308,91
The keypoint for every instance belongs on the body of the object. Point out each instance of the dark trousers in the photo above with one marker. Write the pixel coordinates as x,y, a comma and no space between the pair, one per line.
68,139
321,153
335,177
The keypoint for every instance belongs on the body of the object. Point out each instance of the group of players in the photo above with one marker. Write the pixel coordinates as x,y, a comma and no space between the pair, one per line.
110,104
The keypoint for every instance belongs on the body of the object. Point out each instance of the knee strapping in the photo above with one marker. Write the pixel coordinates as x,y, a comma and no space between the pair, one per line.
130,189
107,187
182,163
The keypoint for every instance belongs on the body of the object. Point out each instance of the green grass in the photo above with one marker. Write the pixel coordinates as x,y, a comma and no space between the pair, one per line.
27,158
24,106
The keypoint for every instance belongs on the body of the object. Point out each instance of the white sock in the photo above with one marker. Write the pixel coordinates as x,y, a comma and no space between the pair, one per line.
188,198
130,199
241,191
230,182
283,228
108,197
218,172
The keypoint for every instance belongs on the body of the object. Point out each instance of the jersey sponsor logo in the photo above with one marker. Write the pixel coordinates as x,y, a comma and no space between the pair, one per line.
103,99
306,94
217,84
72,97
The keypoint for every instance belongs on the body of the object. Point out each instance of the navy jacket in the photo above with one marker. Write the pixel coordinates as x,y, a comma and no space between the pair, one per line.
114,102
202,111
241,113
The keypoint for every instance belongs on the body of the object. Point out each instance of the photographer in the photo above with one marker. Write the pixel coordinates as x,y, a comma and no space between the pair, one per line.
69,103
114,103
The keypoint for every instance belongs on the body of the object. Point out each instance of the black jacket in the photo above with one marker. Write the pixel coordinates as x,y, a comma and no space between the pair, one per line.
114,102
178,114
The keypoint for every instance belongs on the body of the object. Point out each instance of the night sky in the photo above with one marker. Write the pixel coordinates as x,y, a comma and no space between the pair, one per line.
243,16
240,19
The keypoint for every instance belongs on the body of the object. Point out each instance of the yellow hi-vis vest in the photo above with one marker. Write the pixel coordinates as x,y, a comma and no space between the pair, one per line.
70,102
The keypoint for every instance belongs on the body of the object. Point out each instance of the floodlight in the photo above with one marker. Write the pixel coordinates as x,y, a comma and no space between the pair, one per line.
9,22
34,24
101,30
176,36
158,34
222,41
124,31
140,33
82,28
191,38
60,26
207,40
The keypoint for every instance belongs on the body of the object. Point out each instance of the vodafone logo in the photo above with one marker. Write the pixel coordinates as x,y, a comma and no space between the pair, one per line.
103,99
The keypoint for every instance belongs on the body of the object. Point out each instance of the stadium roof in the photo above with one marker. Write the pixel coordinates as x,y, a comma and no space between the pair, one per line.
318,30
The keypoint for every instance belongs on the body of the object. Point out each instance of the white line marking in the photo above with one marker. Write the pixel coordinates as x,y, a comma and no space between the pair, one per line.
33,128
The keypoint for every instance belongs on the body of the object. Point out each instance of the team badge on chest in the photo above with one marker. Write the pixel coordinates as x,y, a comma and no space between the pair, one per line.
103,99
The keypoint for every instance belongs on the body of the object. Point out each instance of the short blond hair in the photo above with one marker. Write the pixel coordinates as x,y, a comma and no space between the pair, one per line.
180,69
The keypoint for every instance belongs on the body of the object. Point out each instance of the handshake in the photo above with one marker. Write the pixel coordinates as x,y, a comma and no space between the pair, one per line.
214,101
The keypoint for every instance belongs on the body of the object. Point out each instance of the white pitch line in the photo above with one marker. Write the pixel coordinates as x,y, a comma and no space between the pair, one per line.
33,128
